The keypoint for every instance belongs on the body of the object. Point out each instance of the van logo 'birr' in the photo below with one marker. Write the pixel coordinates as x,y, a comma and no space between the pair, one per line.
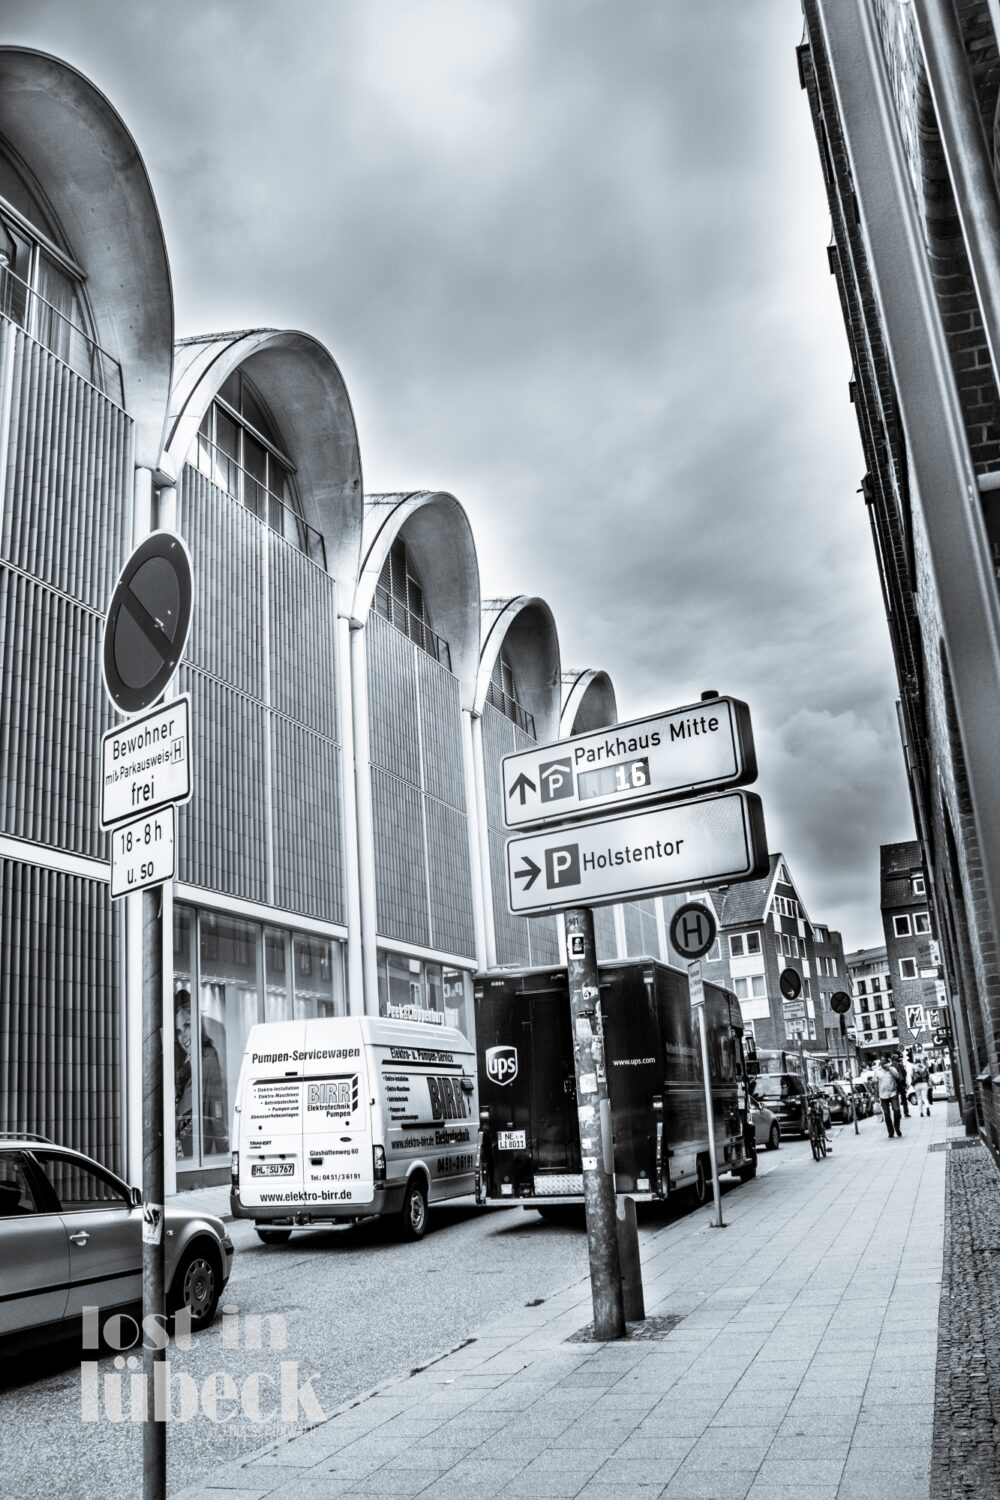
501,1064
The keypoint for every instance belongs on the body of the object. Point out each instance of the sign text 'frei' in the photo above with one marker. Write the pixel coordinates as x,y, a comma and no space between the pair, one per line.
704,747
678,847
146,763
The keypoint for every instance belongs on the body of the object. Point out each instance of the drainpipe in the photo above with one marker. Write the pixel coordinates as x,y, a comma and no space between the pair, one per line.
970,164
366,828
472,804
486,882
349,802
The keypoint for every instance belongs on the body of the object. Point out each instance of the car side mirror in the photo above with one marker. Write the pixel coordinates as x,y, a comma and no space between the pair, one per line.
135,1197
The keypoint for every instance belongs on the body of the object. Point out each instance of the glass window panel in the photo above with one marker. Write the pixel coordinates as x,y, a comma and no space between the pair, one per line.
16,1196
229,390
277,989
229,1004
184,924
316,976
457,990
404,981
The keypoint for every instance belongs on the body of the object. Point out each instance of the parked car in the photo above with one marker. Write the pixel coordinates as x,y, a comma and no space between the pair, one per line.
839,1096
766,1126
71,1238
785,1095
941,1083
865,1100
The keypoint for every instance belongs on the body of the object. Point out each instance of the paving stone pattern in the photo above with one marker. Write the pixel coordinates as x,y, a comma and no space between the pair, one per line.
802,1366
966,1454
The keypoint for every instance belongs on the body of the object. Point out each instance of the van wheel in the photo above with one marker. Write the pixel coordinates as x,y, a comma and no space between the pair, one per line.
273,1236
749,1172
700,1189
413,1218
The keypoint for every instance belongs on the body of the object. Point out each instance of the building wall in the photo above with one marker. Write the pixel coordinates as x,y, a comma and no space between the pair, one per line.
66,516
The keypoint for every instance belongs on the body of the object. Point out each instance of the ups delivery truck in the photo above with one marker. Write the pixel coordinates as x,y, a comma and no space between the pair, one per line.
529,1139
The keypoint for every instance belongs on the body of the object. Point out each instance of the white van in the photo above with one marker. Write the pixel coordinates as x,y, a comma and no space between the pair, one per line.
351,1118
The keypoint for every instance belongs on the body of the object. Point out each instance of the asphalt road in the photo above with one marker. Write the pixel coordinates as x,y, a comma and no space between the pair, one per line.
354,1308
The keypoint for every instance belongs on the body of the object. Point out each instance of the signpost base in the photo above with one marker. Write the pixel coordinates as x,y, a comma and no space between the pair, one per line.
594,1116
154,1432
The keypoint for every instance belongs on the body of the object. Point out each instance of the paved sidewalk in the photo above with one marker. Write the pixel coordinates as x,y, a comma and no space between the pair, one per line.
209,1200
802,1366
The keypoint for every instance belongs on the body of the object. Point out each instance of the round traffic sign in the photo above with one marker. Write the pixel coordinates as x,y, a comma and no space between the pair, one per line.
147,623
840,1002
790,983
692,929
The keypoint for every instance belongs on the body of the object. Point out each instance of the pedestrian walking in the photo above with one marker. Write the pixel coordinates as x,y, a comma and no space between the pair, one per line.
888,1097
898,1066
921,1082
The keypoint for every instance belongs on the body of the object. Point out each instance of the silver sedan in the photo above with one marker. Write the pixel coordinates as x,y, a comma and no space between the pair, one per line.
71,1239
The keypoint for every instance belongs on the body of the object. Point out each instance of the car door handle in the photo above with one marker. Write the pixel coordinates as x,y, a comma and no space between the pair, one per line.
80,1238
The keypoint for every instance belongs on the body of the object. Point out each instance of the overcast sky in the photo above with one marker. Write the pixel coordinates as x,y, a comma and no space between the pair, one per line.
570,256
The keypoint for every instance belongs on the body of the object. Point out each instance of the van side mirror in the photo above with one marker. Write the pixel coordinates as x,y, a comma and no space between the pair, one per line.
468,1087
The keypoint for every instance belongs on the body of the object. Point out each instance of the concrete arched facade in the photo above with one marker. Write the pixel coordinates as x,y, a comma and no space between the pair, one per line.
588,701
75,146
306,394
526,627
439,538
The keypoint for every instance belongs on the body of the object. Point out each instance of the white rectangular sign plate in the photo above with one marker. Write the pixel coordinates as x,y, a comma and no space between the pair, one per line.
146,763
684,846
704,747
142,853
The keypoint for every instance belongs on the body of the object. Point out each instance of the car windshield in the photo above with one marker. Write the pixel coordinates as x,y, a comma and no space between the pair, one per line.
772,1088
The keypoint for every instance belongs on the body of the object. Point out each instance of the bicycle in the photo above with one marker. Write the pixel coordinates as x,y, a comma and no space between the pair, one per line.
817,1130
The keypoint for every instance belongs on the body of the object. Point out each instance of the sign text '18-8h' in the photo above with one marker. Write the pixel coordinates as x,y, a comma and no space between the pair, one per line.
706,746
682,846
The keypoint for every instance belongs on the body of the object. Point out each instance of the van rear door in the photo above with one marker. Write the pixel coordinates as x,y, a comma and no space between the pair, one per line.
270,1118
336,1118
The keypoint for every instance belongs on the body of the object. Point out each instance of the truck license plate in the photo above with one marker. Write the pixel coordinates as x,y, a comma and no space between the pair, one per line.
511,1140
272,1169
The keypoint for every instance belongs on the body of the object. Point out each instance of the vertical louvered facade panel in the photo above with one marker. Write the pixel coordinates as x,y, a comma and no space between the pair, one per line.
223,831
604,933
452,929
415,744
400,864
633,930
303,638
226,544
59,1015
440,731
67,496
650,932
306,815
520,940
393,714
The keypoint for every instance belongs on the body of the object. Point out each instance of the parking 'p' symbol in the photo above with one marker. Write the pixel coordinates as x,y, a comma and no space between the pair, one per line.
562,866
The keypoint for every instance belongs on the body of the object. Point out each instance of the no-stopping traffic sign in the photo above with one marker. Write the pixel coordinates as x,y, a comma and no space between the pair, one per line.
147,623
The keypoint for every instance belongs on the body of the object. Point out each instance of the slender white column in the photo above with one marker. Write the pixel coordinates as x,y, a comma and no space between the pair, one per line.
349,804
366,831
479,772
472,808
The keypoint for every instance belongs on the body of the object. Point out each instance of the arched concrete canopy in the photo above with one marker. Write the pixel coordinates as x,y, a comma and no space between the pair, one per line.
92,177
437,533
306,394
527,628
588,702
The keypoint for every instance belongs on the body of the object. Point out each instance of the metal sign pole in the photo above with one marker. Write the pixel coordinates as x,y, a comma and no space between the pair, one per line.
696,987
854,1100
154,1432
594,1114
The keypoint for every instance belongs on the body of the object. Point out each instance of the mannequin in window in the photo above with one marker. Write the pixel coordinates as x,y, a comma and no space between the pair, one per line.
214,1123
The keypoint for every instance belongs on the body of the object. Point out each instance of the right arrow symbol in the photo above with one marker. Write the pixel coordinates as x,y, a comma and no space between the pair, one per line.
521,785
530,871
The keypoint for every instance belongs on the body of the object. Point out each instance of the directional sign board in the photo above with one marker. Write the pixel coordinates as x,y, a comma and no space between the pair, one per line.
681,847
146,763
147,623
142,853
704,747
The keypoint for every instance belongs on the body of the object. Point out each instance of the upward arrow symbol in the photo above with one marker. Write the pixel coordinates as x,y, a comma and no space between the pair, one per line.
521,785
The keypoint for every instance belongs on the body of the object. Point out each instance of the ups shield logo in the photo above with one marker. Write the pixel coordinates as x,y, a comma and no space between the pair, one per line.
501,1064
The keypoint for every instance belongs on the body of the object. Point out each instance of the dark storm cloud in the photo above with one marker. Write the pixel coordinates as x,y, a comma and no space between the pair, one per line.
571,260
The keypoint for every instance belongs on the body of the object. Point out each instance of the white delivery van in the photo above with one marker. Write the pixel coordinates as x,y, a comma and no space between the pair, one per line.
350,1118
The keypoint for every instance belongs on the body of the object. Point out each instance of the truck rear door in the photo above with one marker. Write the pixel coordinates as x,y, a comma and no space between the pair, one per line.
270,1118
555,1133
338,1166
